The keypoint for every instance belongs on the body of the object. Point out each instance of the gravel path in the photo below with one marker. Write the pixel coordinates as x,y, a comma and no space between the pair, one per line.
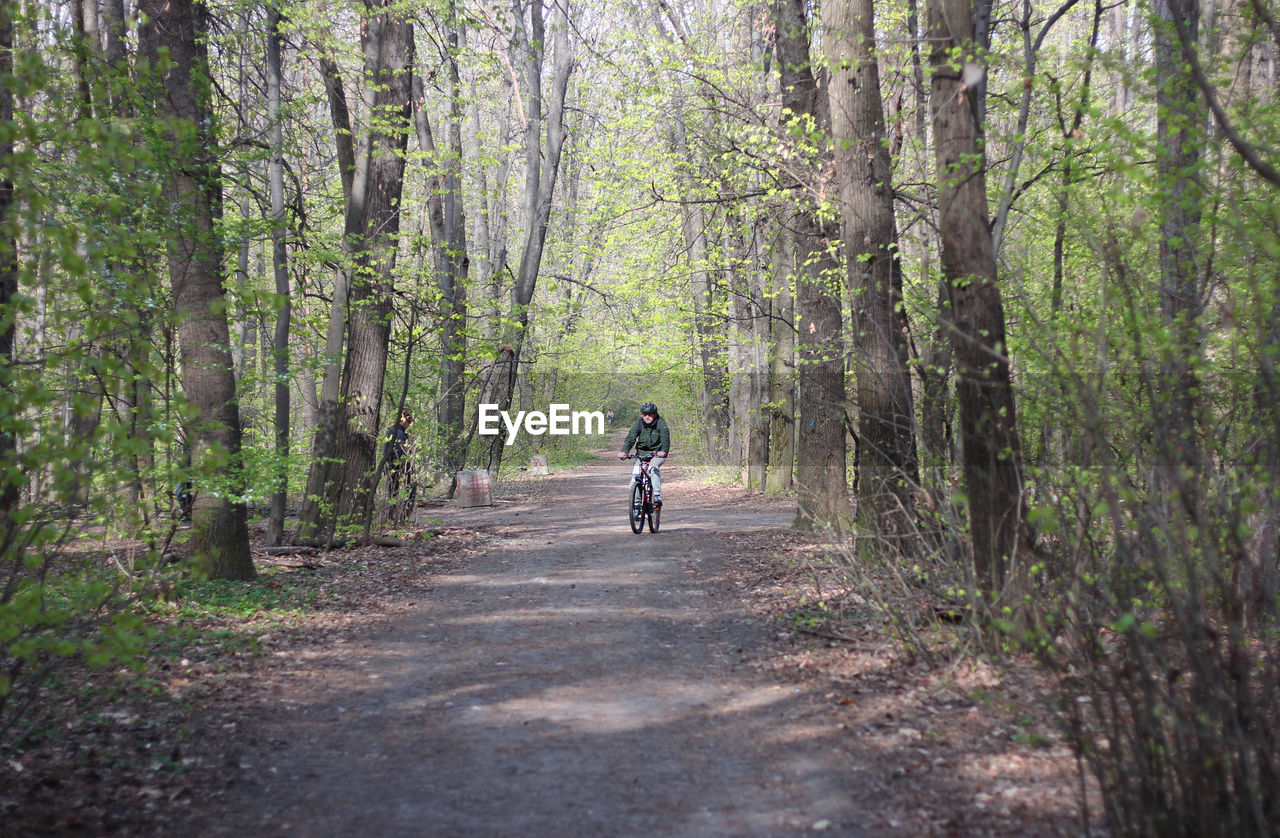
574,680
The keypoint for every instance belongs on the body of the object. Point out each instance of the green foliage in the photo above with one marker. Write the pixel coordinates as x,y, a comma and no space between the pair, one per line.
672,232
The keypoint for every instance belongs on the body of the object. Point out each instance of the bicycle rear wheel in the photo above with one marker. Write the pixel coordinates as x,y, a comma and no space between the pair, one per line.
655,513
637,507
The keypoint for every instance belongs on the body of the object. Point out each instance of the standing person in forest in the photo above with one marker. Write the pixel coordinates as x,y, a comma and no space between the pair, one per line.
650,435
395,452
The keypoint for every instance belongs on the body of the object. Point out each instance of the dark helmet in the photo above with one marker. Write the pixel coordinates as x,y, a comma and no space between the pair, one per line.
649,407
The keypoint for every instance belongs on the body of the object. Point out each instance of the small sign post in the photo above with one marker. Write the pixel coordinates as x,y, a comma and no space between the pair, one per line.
538,464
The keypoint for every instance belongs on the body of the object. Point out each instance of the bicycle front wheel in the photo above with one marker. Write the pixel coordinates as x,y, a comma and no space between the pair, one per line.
655,512
637,507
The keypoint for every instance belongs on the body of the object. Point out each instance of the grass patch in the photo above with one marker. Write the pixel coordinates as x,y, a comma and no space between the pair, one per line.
712,474
569,458
210,618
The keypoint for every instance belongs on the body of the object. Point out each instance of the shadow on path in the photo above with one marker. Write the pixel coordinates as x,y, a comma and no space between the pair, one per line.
575,680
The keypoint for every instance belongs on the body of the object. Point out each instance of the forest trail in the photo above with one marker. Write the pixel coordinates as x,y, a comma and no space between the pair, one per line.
573,680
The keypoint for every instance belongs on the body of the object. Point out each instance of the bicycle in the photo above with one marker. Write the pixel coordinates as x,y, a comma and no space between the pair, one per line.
642,507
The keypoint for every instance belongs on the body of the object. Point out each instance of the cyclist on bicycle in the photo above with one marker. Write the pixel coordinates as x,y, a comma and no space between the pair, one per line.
650,435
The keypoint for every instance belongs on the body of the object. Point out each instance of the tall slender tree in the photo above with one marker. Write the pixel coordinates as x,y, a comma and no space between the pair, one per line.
710,347
448,221
9,484
782,366
1180,135
280,271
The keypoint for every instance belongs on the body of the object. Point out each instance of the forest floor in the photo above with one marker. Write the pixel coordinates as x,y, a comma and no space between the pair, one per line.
535,669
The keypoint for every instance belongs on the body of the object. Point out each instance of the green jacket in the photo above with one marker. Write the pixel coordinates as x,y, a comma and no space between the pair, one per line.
649,438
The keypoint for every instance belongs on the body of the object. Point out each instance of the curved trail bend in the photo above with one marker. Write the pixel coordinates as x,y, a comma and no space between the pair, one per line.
573,680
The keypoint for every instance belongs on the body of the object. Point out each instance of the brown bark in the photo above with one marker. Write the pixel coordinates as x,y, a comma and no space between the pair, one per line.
991,449
821,488
353,173
220,537
358,429
340,480
887,470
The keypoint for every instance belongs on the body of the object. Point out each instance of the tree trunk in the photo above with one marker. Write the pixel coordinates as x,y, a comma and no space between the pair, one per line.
449,237
1180,121
709,333
886,467
737,266
821,488
100,65
324,487
934,368
991,449
280,269
758,418
358,429
354,173
491,231
782,362
10,471
220,537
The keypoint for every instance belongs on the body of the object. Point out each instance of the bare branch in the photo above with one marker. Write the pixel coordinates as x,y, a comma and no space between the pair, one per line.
1246,150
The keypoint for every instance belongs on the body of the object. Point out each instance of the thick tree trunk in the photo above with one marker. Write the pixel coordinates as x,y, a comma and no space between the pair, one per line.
887,470
220,537
821,488
358,429
346,441
992,452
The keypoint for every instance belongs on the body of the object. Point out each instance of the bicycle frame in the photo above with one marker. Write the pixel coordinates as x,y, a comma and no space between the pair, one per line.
641,504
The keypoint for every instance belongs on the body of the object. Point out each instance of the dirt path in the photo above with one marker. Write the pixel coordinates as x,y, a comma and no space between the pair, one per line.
575,680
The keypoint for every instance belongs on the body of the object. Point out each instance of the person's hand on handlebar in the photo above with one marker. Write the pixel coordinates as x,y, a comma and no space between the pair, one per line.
660,453
624,456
